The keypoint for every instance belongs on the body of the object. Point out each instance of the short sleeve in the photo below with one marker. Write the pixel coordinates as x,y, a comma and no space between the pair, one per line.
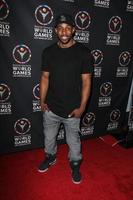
45,65
87,63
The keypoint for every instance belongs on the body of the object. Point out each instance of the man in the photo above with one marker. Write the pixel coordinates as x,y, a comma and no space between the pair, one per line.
64,92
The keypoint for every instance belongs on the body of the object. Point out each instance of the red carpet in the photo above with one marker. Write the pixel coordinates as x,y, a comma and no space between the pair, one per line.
107,175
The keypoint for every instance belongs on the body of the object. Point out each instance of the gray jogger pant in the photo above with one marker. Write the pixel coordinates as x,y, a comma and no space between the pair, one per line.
51,123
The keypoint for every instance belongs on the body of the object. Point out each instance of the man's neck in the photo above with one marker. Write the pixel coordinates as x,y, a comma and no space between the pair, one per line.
69,44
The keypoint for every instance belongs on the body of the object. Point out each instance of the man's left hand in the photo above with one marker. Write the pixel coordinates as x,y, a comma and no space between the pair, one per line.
76,112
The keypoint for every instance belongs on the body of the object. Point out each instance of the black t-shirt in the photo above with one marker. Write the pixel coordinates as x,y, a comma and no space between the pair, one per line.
65,66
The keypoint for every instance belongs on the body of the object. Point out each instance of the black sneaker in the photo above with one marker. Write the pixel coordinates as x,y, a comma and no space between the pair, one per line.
76,175
49,160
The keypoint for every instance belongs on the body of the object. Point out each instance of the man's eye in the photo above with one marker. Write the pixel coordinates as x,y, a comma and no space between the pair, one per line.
68,29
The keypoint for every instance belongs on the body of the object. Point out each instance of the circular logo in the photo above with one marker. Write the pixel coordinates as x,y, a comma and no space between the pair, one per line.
88,119
22,126
21,54
106,89
82,20
36,91
124,58
4,10
44,15
4,93
115,115
115,24
98,57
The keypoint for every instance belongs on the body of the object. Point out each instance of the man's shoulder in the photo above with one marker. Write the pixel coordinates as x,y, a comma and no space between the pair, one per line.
82,47
50,48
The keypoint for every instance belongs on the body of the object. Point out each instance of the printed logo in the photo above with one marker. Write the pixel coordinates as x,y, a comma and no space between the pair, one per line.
36,90
4,10
114,117
88,119
115,24
124,58
98,57
87,125
36,102
22,54
106,89
102,3
130,5
44,15
61,133
82,20
22,126
4,93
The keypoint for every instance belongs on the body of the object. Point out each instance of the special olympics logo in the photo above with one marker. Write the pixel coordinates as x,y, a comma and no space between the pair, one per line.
44,14
98,57
115,115
124,58
36,90
22,126
21,54
115,24
4,10
88,119
4,93
106,89
82,20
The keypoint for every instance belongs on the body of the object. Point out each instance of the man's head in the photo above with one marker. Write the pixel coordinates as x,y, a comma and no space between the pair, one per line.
64,18
64,28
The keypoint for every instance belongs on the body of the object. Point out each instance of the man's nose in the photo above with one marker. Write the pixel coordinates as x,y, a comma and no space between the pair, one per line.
63,31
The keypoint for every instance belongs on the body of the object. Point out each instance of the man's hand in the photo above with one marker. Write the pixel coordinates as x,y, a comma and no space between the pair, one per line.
44,107
77,112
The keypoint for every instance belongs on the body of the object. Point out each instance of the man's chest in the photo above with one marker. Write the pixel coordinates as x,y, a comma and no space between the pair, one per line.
65,63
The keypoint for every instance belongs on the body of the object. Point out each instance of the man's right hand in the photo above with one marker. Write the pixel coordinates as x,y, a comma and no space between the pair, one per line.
44,107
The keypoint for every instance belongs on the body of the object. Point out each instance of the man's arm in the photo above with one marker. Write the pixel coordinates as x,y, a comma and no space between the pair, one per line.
85,93
44,83
86,87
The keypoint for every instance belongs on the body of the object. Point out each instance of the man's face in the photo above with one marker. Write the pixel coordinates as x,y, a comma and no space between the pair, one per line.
64,32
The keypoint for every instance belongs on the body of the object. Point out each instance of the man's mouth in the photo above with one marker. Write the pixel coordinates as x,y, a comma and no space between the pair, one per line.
64,37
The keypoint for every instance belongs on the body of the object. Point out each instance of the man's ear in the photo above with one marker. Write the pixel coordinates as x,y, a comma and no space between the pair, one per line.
73,30
55,30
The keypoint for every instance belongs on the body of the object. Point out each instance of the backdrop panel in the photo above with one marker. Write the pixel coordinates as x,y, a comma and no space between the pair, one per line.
26,28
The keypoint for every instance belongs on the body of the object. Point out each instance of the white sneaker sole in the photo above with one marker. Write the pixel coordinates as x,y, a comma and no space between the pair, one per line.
76,182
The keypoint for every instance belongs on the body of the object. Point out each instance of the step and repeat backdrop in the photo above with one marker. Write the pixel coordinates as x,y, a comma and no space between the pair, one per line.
26,28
